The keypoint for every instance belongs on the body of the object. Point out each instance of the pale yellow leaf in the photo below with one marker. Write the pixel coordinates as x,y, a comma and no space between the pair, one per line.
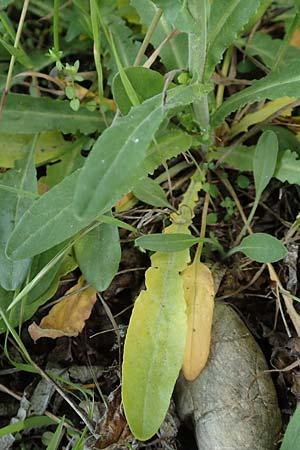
262,114
199,294
66,318
295,39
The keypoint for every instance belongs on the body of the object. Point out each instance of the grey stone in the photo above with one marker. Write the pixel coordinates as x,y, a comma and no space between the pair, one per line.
232,404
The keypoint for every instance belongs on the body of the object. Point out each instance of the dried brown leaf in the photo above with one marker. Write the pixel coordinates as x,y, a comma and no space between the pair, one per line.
66,318
199,294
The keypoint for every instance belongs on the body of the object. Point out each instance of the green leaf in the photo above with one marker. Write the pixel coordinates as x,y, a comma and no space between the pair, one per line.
98,254
264,4
49,221
227,19
263,46
116,222
126,47
18,53
264,163
107,175
166,146
150,192
45,288
286,138
56,438
278,84
51,218
49,147
146,84
261,247
70,161
30,422
166,243
13,206
288,168
241,158
178,15
27,115
174,54
6,297
291,440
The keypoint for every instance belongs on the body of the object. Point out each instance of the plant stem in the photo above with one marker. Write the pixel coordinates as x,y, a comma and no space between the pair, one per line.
197,56
203,227
56,26
12,59
148,36
286,41
224,72
97,48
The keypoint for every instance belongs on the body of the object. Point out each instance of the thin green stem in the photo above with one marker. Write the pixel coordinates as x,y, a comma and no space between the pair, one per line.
203,228
224,72
148,36
197,56
286,41
56,26
13,59
249,220
97,45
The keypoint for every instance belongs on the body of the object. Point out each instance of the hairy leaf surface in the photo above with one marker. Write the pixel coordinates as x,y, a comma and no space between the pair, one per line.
27,115
227,19
49,221
98,254
276,85
174,54
150,192
13,206
261,247
264,163
107,175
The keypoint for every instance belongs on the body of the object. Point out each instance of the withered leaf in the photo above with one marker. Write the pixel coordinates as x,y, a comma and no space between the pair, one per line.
66,318
198,287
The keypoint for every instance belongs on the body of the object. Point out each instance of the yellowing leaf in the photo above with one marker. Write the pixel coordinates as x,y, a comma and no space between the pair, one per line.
155,340
66,318
198,287
261,115
295,39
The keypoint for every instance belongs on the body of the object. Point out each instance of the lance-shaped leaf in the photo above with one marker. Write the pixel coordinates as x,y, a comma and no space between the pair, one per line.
155,340
264,163
13,206
276,85
49,221
98,254
145,82
198,287
111,167
110,173
27,115
174,53
150,192
261,247
227,19
166,242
